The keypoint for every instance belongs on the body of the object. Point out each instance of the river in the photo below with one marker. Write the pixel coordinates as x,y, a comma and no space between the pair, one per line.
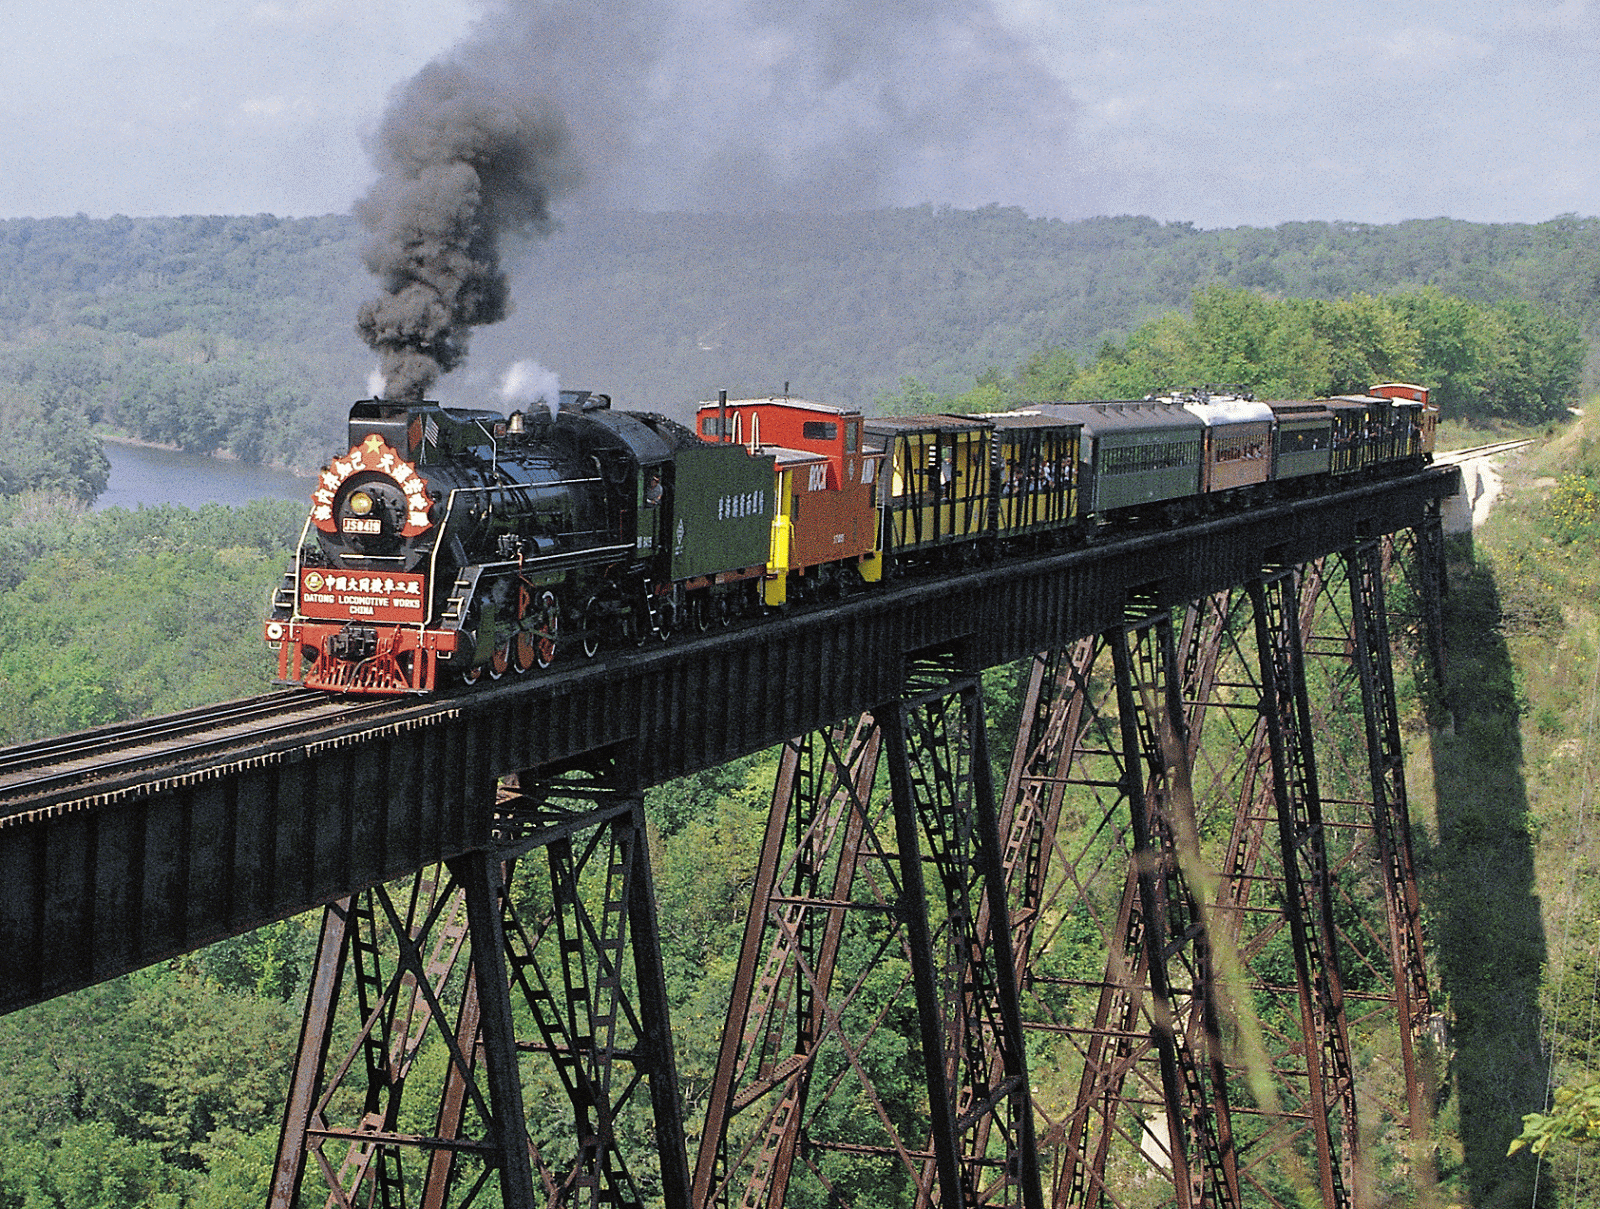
142,475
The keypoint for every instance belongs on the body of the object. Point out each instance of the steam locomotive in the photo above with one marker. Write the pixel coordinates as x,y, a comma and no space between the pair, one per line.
454,543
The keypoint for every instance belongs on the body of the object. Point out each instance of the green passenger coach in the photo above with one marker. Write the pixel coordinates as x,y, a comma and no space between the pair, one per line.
1134,454
1304,445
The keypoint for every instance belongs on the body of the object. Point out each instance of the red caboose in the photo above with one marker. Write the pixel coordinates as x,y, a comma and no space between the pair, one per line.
827,527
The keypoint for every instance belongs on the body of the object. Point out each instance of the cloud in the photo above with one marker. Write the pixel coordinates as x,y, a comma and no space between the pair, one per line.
1566,32
1372,110
1432,50
161,107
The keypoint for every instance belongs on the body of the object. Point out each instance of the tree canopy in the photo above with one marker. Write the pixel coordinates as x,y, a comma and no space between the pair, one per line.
1510,362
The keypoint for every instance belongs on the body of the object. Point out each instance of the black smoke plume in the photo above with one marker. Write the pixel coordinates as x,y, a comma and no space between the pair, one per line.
744,106
464,159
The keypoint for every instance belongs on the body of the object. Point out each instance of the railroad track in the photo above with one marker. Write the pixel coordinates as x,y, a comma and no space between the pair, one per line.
75,763
1452,456
114,761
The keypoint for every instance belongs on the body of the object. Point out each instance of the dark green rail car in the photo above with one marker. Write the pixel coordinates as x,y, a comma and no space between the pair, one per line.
1356,441
1304,443
724,499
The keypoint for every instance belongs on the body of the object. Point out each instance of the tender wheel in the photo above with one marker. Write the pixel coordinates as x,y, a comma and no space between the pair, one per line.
663,617
593,615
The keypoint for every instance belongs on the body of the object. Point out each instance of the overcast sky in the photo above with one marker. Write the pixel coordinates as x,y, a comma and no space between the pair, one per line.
1220,114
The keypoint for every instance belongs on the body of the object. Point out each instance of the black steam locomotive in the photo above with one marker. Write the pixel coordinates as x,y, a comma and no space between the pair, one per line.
462,540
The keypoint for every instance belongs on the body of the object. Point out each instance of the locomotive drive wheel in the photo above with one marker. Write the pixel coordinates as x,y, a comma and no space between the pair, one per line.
536,647
543,640
500,661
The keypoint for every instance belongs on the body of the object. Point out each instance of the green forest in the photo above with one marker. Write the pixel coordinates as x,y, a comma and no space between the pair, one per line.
165,1088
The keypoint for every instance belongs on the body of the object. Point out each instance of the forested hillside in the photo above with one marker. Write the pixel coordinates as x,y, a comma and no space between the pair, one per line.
238,333
112,615
1510,362
666,308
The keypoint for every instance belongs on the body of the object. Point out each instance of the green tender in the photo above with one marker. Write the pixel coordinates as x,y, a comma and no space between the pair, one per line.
723,512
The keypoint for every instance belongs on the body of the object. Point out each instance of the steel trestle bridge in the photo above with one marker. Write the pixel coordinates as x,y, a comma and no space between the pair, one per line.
1138,972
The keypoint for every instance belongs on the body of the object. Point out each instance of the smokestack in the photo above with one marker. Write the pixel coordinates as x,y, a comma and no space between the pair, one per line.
464,160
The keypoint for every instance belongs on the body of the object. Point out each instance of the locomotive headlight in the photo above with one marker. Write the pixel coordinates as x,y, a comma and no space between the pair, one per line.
360,503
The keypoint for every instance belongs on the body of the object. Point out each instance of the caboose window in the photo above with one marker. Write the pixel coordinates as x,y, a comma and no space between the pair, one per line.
820,430
711,426
852,437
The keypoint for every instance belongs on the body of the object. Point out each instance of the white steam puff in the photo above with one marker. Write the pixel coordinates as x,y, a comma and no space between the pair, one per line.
528,383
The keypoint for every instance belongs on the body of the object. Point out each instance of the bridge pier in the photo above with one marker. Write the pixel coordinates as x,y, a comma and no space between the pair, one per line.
844,876
576,954
1119,860
1263,897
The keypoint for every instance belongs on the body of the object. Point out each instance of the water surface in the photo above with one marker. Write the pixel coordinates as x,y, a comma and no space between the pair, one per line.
141,475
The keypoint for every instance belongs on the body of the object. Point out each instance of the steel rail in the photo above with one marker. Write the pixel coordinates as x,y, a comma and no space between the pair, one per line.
71,769
59,748
48,766
1451,457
